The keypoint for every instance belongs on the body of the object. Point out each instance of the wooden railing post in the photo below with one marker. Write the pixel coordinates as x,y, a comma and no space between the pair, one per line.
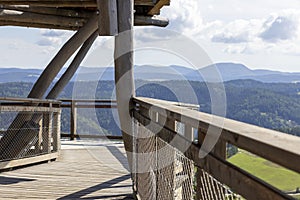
56,131
40,138
47,132
220,149
73,121
188,167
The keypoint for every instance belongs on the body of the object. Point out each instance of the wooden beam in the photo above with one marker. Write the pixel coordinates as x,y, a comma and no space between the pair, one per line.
65,12
71,70
156,9
67,3
53,3
19,16
61,58
27,161
37,25
124,80
150,21
14,132
260,141
237,179
108,19
63,19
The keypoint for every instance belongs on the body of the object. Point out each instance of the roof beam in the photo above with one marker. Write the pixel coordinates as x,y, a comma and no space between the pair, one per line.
61,21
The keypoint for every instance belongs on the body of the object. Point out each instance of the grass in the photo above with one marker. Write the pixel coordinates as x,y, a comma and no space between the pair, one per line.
281,178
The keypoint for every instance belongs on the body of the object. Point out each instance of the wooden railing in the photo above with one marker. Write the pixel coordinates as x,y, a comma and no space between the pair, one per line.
214,175
73,105
30,131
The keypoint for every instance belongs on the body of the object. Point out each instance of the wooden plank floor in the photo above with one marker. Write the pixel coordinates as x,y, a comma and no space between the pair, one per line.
85,170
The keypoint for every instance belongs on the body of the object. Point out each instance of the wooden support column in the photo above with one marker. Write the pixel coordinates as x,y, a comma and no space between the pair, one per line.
44,81
73,121
124,72
108,18
47,132
56,131
53,68
71,70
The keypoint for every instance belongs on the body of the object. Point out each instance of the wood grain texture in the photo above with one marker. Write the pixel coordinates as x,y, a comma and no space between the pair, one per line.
93,170
260,141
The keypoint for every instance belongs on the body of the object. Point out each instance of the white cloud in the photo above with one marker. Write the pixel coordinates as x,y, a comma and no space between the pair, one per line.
277,33
53,38
238,31
184,16
281,27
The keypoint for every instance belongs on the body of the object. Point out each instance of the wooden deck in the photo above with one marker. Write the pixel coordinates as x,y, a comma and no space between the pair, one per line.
85,170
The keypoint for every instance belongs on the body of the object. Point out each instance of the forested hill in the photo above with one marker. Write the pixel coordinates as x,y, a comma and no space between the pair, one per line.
270,105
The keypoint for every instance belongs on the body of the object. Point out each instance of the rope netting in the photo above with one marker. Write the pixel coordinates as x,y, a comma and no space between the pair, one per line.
27,132
162,172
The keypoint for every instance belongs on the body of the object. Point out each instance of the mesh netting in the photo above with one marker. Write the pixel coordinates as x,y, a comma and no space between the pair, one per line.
28,131
162,172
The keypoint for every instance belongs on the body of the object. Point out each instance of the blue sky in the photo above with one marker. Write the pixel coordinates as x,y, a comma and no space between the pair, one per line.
259,34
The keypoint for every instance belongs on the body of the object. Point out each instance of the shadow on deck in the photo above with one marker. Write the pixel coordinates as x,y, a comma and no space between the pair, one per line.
85,170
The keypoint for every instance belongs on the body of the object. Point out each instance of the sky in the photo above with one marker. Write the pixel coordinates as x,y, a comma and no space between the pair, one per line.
259,34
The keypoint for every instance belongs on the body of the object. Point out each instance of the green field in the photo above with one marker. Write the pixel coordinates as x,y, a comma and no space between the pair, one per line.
273,174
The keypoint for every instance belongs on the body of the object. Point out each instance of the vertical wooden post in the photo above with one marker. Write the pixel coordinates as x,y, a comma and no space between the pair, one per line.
73,121
188,169
199,173
124,80
108,18
188,132
47,130
56,131
220,149
39,140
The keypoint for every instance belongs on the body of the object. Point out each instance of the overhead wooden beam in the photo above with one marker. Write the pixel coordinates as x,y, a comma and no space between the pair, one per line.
37,25
156,9
53,3
19,16
150,21
60,18
66,12
68,3
108,19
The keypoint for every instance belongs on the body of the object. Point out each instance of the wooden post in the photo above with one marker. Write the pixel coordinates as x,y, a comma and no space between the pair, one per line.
199,173
56,131
71,70
188,169
45,80
61,58
73,121
124,80
47,130
188,132
108,18
39,140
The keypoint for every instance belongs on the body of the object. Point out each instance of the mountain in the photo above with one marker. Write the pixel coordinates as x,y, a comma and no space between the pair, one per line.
235,71
212,73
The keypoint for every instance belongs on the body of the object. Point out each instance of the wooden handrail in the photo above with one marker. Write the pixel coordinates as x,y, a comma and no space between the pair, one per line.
260,141
27,100
73,104
277,147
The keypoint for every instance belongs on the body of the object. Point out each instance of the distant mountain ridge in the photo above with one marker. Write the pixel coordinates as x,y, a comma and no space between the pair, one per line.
211,73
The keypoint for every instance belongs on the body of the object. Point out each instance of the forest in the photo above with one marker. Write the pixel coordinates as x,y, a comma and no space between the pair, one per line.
270,105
